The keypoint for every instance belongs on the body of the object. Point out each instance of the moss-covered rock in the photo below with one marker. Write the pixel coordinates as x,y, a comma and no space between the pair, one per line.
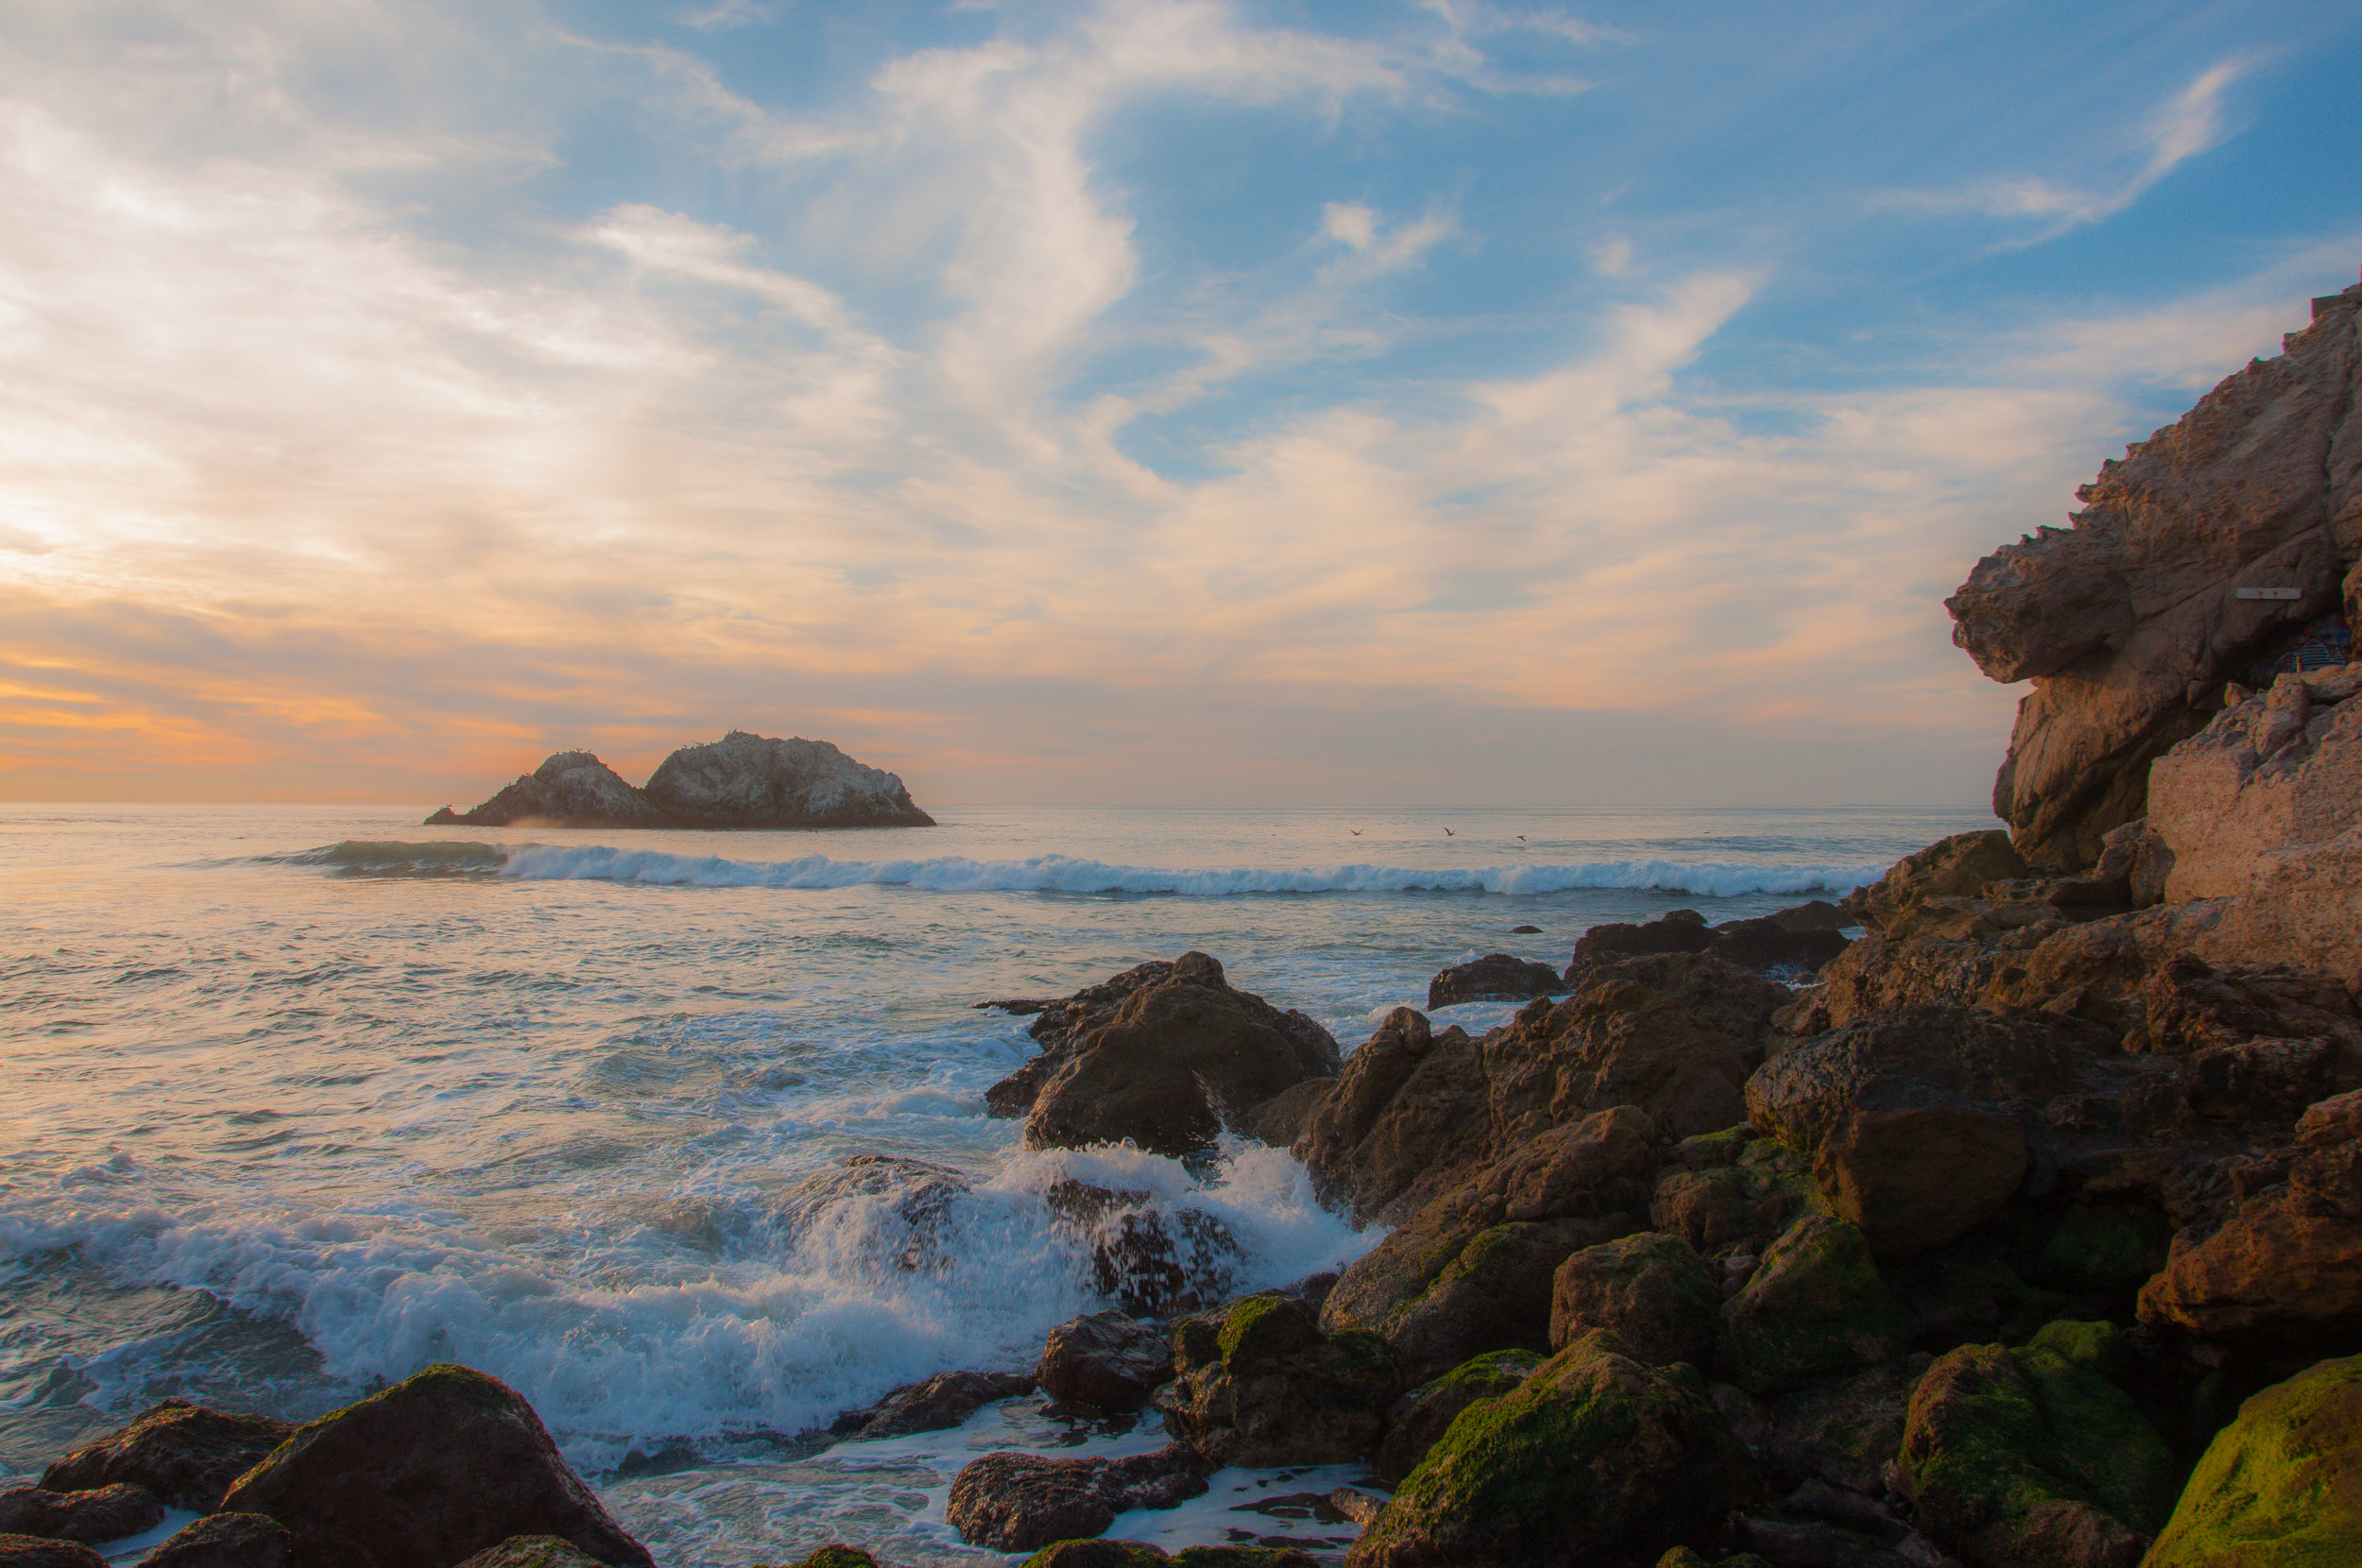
1264,1386
1424,1414
1681,1556
2006,1453
1139,1554
838,1556
2281,1487
1651,1290
1595,1455
1815,1305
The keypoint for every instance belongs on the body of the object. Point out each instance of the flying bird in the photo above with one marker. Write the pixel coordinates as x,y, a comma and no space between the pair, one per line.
1449,834
1355,831
1521,838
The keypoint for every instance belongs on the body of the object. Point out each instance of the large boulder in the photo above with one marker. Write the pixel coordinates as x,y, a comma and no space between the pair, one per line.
183,1453
745,780
424,1474
106,1513
2009,1456
548,1551
932,1404
1264,1386
1110,1361
2130,621
1914,1177
41,1551
1815,1305
1651,1290
1180,1055
740,780
1016,1502
1408,1119
1680,932
1495,977
232,1541
1426,1412
1594,1457
2281,1485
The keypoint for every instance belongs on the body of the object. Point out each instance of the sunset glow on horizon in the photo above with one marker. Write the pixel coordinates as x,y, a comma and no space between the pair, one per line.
1151,401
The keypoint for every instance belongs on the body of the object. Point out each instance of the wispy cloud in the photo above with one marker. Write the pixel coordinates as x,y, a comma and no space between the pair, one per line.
2188,125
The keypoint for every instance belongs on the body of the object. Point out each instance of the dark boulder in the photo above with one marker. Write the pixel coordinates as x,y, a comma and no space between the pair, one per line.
227,1541
107,1513
183,1453
1182,1054
1151,1260
41,1551
1595,1458
543,1551
1815,1307
1139,1554
1409,1117
345,1486
1264,1386
1765,944
1426,1412
905,1204
1681,931
1495,977
1107,1361
1015,1502
933,1405
1651,1290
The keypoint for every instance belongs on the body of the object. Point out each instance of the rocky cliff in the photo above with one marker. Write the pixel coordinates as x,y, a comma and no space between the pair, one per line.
2209,550
740,780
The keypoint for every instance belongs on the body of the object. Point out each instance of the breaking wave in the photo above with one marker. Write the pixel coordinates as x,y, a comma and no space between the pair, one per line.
1066,874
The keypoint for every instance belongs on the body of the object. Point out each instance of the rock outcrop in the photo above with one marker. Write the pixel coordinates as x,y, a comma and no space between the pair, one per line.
1164,1055
1263,1384
1016,1502
1495,977
740,781
183,1453
424,1475
2130,621
1109,1362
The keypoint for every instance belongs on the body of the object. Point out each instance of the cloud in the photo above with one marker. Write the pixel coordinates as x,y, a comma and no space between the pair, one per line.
2188,125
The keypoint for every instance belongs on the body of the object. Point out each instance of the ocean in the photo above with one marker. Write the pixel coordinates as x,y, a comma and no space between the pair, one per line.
301,1098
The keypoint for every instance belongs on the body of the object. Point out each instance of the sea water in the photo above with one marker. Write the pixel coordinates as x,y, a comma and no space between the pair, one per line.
299,1099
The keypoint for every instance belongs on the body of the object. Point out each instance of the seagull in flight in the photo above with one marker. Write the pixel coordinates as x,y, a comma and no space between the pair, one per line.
1355,831
1521,838
1449,834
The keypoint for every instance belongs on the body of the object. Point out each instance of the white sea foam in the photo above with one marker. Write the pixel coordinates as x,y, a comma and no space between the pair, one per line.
1062,874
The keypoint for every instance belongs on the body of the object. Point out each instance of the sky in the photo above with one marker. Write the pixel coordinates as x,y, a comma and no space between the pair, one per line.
1126,403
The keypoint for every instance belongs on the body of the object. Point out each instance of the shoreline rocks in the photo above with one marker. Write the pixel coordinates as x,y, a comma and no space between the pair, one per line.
740,781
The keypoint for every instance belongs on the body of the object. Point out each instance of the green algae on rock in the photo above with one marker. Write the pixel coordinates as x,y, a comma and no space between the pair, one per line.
1596,1454
1139,1554
1424,1414
2009,1454
1265,1386
2281,1487
1651,1290
1815,1305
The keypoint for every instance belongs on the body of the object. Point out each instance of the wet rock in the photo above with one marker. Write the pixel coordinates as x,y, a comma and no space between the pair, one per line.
183,1453
1264,1386
548,1551
108,1513
1015,1502
2007,1453
1815,1305
1495,977
1681,931
1424,1414
1138,1553
39,1551
933,1405
1151,1260
1281,1119
341,1485
1843,1431
1767,945
1594,1457
2280,1484
1181,1053
1107,1361
1651,1290
233,1540
906,1205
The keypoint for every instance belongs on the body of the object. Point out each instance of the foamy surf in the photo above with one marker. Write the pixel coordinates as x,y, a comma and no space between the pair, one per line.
1062,874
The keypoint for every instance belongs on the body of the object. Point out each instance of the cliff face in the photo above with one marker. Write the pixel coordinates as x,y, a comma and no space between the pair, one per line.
2130,621
740,780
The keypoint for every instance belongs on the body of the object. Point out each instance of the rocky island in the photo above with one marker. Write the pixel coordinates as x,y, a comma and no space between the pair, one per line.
2021,1230
739,781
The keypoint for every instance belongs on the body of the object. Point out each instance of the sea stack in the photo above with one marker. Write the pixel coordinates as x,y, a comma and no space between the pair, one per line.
742,781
